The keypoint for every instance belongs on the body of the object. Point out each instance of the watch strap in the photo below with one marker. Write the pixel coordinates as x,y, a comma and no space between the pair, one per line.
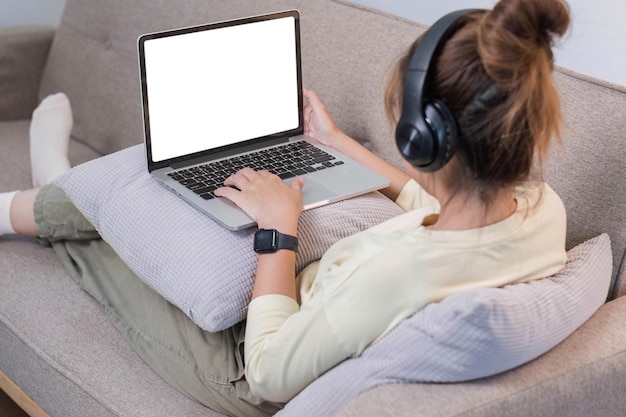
287,242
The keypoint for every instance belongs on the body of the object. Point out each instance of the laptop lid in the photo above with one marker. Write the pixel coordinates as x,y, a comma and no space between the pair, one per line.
216,88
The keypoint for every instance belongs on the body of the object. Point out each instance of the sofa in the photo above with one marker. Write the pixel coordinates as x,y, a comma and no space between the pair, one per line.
59,354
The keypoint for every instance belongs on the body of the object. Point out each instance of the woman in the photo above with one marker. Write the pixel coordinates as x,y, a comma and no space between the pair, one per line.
477,221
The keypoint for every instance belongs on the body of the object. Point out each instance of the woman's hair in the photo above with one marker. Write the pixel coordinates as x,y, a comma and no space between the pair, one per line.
495,75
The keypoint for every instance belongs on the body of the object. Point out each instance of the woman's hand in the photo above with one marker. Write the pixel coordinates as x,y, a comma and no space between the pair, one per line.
318,123
270,202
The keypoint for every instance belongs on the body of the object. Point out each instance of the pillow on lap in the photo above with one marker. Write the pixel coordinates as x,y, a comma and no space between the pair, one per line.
204,269
473,334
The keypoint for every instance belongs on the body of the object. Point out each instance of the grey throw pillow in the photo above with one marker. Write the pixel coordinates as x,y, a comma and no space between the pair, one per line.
202,268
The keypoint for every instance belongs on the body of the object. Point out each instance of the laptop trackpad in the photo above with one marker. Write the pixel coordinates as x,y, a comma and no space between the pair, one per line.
314,194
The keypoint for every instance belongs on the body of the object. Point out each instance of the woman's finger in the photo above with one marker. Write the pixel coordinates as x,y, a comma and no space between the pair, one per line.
240,178
263,173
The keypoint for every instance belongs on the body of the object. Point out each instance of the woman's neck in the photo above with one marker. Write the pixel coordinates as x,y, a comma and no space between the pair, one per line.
465,211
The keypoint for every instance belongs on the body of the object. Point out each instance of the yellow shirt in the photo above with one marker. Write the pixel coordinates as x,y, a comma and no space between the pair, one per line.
366,284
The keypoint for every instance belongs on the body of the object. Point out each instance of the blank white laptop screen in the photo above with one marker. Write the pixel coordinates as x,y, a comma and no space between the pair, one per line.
216,87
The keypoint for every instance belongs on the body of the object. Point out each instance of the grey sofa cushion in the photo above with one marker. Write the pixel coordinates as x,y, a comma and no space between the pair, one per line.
199,266
59,346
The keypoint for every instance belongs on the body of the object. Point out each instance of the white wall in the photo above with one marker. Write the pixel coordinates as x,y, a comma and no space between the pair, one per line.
595,44
30,12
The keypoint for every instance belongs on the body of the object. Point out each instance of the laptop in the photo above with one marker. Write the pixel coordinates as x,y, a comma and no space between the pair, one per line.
221,96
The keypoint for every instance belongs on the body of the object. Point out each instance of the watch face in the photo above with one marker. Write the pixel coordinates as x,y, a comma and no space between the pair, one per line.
265,241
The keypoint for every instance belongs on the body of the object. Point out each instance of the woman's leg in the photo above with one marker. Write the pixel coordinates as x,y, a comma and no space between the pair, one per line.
6,201
22,213
16,213
207,367
50,130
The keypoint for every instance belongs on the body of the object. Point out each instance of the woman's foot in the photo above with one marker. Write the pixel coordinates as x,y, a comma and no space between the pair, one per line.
50,130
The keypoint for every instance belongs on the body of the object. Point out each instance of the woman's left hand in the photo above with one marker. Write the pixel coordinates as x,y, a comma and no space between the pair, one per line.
264,197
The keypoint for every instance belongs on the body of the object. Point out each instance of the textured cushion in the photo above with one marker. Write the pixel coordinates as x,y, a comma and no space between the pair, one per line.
472,334
204,269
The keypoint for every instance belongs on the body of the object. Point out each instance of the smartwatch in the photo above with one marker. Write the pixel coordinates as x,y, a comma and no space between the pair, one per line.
271,240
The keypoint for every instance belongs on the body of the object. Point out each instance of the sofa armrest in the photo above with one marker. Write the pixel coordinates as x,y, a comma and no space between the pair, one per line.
23,54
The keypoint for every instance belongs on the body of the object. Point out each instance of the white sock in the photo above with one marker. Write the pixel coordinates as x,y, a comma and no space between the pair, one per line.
50,130
5,213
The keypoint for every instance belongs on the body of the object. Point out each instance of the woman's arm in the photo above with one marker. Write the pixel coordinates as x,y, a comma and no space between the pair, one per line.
319,125
272,205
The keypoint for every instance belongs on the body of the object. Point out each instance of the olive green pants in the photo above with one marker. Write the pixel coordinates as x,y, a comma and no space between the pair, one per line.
207,367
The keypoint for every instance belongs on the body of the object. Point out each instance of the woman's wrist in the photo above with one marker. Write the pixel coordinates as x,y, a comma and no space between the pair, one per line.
275,274
339,141
285,227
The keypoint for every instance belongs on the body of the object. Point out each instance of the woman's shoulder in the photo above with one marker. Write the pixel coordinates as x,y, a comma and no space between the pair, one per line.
542,211
538,195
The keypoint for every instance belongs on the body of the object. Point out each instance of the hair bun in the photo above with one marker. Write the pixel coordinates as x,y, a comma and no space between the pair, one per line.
517,35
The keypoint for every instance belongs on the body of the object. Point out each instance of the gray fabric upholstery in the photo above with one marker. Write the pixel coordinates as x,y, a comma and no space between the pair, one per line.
23,53
15,160
583,376
56,344
588,170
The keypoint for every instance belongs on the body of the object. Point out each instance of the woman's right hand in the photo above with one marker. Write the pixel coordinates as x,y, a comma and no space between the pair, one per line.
318,123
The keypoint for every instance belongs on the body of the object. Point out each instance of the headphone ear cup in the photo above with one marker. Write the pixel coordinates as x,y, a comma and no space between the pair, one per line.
428,144
415,145
444,133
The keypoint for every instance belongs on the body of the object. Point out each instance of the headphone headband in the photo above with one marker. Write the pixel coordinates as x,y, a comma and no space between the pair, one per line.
426,133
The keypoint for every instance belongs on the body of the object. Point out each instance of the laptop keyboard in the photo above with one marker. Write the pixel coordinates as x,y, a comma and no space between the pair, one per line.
286,161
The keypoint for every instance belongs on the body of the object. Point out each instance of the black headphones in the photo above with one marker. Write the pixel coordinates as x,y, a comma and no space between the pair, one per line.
427,131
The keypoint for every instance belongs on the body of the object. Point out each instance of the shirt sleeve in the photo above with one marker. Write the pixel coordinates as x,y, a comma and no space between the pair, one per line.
413,196
287,347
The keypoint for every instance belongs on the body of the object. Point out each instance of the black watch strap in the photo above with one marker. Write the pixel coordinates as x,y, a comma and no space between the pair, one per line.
271,240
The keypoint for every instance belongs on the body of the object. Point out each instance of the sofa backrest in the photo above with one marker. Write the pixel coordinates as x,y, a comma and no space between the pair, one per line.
589,170
348,51
93,59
